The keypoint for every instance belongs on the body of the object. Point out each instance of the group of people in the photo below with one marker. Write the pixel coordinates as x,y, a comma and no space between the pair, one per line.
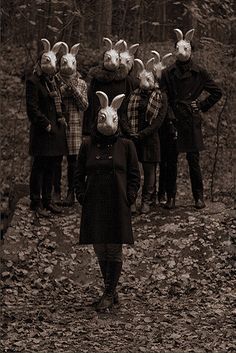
133,113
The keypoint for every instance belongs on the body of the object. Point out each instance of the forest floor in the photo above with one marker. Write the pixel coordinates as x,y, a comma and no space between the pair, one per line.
176,290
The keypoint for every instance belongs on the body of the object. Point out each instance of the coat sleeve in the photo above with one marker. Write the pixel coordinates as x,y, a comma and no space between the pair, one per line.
32,105
80,174
79,91
133,174
156,123
211,87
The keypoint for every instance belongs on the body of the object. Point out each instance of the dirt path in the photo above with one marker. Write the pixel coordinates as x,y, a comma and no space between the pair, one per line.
176,290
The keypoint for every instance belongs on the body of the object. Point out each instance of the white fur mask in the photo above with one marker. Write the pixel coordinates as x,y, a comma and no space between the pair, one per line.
48,60
111,59
107,121
145,74
159,64
68,59
183,48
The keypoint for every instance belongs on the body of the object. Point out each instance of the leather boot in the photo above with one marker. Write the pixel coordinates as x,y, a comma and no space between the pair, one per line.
170,204
113,272
103,268
199,204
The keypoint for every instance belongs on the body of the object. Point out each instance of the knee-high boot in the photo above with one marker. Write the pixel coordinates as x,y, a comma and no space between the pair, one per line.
113,272
103,268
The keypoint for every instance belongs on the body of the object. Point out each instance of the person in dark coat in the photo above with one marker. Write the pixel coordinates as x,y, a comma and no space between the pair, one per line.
107,181
146,111
111,78
47,130
184,82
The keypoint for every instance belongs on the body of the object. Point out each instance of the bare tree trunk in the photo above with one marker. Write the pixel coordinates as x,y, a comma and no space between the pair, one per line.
104,19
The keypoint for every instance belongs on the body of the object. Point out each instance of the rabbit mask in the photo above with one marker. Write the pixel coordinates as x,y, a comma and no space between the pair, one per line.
127,55
159,64
107,121
111,59
48,59
68,59
145,75
183,48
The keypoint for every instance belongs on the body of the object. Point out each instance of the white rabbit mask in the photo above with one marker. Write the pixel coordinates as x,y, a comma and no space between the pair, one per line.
159,64
183,49
127,56
111,59
145,74
48,60
107,121
68,59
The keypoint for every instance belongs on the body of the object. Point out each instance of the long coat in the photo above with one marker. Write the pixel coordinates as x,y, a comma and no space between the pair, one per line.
183,87
41,112
107,181
112,83
148,145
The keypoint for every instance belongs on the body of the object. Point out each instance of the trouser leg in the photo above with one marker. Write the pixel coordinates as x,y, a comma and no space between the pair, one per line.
57,174
36,177
195,175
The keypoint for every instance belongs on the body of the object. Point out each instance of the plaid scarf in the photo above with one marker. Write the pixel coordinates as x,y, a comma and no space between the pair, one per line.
153,106
54,93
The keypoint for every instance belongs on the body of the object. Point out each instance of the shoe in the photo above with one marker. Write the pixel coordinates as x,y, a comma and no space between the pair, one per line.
199,204
69,200
53,208
56,198
161,199
145,208
105,303
42,212
170,204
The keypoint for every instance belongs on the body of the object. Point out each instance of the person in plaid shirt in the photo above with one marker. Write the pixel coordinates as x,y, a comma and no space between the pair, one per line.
74,102
146,110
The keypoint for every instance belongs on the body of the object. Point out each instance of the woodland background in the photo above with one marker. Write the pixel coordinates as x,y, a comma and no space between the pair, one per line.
177,288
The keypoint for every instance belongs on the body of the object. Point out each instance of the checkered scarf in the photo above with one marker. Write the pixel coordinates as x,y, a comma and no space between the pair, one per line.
55,94
154,104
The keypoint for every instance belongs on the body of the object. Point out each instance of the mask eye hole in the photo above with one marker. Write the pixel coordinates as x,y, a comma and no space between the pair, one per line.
102,118
114,118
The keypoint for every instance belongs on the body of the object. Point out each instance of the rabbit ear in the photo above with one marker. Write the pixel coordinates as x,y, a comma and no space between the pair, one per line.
139,65
108,43
103,99
179,34
117,101
157,56
165,58
62,47
133,48
46,45
121,45
149,64
189,35
74,50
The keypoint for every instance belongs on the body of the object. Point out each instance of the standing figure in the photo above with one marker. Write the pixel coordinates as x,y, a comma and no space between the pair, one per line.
47,131
107,181
146,110
168,139
74,101
112,79
184,82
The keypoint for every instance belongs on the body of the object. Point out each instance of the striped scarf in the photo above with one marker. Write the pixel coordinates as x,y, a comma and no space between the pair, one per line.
152,110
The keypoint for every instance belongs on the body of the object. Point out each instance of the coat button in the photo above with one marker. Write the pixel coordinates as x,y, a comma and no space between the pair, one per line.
98,145
109,157
98,157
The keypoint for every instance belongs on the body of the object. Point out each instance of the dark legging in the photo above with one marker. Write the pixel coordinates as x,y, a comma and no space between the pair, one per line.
108,252
71,165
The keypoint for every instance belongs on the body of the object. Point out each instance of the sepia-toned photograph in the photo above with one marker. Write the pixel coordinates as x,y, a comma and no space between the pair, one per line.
118,176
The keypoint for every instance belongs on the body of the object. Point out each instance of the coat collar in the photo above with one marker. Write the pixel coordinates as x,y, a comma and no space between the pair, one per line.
176,71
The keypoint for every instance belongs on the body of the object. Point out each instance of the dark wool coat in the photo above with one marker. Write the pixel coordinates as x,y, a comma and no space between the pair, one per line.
112,83
184,86
107,181
148,145
42,112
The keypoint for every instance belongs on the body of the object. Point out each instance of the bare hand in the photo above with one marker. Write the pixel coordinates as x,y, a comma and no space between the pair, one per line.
49,128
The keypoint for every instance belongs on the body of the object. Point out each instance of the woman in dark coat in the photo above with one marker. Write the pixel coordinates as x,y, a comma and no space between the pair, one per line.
47,131
107,180
184,82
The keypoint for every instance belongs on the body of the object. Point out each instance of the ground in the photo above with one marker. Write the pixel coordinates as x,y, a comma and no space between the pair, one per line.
176,290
